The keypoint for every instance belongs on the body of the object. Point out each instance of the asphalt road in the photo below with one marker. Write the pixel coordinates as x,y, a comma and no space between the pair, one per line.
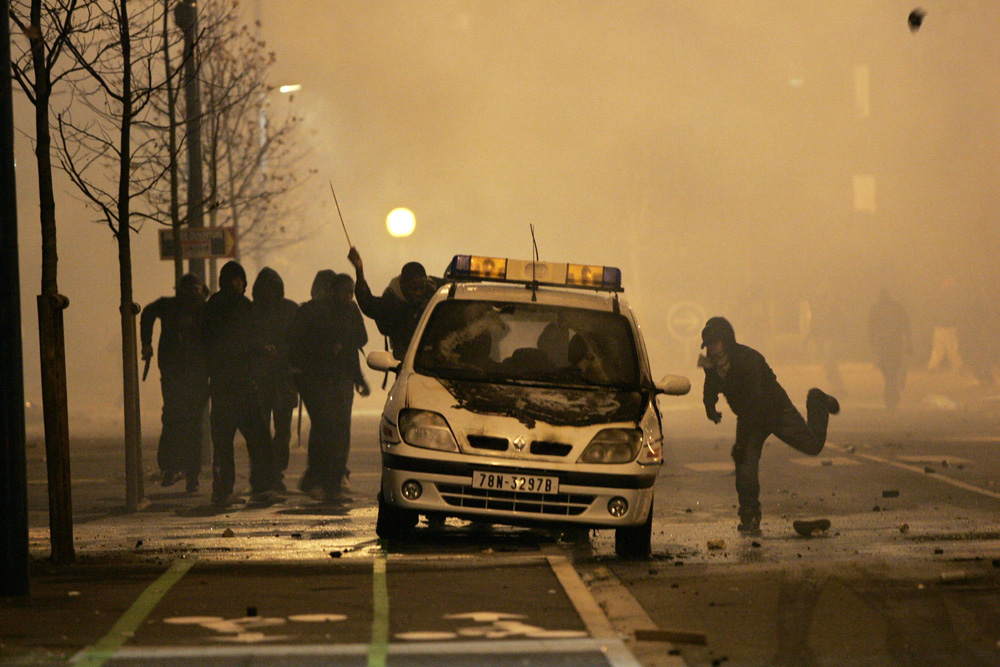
906,575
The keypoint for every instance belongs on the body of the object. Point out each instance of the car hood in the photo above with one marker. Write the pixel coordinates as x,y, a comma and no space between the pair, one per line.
556,406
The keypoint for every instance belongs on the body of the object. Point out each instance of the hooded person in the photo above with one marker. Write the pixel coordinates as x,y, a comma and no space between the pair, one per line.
324,338
762,409
183,378
272,315
236,357
398,310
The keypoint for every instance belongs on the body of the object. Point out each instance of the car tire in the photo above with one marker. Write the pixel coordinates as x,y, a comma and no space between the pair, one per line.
635,541
393,522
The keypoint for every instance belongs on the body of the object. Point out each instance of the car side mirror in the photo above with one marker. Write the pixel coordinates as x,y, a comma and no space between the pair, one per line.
382,360
674,385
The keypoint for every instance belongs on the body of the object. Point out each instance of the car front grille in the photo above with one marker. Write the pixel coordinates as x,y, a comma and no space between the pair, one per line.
560,504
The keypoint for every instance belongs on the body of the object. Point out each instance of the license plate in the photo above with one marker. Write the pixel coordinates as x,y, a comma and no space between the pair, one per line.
505,481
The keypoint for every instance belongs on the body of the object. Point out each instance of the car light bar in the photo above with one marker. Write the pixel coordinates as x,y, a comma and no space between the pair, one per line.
592,276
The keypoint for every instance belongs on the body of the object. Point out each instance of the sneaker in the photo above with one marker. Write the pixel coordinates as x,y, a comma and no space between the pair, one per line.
750,525
807,528
818,395
223,499
170,478
192,485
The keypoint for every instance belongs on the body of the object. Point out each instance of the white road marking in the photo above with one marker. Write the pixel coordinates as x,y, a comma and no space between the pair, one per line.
817,461
934,459
597,623
627,615
505,647
939,478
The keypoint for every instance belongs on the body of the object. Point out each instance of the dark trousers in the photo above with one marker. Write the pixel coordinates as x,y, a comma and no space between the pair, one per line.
280,399
240,408
894,379
184,400
806,435
328,402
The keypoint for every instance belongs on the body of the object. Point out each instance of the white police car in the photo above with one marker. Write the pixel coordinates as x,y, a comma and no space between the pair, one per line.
525,397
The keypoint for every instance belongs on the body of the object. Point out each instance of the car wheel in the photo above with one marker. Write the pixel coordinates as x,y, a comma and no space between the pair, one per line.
635,541
393,522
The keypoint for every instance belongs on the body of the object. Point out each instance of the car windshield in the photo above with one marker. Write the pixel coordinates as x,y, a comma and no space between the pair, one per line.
500,342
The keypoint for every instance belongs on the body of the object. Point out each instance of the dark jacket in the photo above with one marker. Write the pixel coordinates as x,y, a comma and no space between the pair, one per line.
750,387
324,338
235,352
394,316
179,349
272,316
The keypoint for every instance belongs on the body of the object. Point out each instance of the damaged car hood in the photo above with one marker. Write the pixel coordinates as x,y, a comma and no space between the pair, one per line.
557,406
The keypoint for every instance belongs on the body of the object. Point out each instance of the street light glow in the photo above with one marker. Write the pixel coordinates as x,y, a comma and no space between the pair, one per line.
400,222
295,87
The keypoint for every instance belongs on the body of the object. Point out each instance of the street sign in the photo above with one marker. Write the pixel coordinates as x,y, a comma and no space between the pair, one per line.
685,320
200,243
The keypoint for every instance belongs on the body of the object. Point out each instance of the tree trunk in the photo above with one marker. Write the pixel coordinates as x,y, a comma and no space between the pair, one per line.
52,345
130,359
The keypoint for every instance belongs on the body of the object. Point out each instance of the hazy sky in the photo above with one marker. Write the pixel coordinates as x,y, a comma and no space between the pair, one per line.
744,156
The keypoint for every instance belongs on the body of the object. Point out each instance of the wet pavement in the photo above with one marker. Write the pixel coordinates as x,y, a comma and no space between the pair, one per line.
908,572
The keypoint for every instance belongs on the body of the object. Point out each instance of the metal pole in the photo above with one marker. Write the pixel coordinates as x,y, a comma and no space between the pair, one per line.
13,462
186,16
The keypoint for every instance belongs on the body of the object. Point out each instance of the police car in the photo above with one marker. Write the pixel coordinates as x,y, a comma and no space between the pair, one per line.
525,398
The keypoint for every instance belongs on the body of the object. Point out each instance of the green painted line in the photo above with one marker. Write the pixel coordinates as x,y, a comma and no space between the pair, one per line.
378,650
104,649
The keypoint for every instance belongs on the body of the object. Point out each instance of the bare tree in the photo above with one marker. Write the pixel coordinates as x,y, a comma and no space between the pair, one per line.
39,66
252,158
103,145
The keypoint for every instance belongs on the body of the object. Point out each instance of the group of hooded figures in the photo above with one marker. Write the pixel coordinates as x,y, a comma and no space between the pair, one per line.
251,361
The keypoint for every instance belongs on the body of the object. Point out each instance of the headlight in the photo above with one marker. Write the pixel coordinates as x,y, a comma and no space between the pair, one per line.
426,429
613,445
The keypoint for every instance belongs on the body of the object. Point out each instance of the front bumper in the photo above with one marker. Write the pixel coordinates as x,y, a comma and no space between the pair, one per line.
582,499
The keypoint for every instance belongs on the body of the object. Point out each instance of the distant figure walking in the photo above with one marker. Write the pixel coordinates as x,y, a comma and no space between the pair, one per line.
944,339
762,408
889,335
183,378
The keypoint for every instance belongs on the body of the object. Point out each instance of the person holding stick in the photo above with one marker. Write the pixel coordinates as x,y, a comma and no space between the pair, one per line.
398,310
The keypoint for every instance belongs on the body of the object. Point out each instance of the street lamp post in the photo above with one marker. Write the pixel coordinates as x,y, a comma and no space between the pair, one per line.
186,16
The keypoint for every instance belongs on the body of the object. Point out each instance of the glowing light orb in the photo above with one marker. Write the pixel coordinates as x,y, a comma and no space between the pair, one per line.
400,222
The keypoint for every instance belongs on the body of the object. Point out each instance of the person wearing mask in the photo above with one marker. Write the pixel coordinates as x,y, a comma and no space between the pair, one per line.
324,338
762,409
272,315
183,378
398,310
235,356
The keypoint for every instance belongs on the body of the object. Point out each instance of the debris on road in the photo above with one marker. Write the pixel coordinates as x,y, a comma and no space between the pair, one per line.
807,528
954,576
674,636
228,532
716,545
890,493
904,528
